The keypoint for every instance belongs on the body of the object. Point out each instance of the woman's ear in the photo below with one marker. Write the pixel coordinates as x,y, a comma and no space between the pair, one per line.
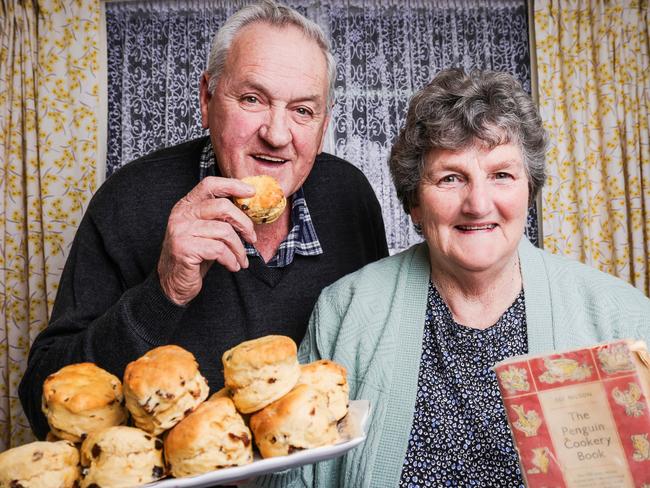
416,215
416,218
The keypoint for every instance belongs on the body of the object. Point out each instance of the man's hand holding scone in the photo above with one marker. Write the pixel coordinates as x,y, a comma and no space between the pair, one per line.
204,227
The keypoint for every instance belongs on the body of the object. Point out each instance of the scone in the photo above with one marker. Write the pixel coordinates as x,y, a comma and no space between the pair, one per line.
40,465
121,457
80,399
214,436
260,371
50,437
330,379
267,204
162,387
299,420
223,393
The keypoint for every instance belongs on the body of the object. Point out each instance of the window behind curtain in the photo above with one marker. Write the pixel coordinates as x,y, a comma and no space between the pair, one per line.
385,50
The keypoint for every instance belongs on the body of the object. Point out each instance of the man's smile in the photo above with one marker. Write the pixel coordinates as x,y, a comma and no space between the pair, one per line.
264,158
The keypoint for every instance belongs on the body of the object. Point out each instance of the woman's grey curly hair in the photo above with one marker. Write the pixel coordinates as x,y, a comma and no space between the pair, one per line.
456,111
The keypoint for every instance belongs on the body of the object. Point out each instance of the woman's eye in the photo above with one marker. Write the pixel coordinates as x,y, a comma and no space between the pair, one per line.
450,179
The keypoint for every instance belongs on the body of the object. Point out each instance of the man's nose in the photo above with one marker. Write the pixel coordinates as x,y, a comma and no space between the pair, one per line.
275,130
478,199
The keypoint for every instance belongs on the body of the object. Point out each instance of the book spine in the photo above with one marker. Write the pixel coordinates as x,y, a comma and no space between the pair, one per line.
537,455
627,392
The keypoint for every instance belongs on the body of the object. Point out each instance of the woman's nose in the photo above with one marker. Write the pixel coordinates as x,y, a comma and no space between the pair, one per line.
478,199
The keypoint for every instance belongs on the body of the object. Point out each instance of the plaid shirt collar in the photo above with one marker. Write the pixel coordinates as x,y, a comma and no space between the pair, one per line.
302,238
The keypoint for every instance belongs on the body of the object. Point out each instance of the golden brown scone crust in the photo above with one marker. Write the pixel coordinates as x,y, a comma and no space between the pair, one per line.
82,398
52,437
260,371
330,379
162,387
260,352
267,204
223,393
40,465
214,436
121,456
299,420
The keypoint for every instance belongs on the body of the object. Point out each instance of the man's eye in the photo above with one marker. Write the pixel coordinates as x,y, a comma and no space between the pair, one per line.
502,176
303,111
250,99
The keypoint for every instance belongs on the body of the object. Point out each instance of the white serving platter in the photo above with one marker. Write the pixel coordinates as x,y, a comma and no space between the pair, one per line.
353,428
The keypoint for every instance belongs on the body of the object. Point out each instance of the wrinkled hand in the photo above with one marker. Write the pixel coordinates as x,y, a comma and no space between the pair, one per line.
202,228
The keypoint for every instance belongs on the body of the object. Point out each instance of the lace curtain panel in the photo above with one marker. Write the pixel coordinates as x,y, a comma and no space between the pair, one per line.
385,51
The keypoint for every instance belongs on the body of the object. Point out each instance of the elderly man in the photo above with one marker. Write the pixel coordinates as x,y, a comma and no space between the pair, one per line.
163,256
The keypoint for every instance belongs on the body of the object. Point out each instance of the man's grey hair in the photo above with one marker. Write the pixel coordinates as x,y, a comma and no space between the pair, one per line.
270,13
457,111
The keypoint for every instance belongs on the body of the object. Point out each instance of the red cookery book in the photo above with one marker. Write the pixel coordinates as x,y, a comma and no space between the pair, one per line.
581,419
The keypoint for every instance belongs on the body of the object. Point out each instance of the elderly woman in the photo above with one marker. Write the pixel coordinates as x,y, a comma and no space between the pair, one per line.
420,331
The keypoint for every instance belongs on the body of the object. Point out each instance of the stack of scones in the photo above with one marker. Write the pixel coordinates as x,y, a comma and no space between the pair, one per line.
159,421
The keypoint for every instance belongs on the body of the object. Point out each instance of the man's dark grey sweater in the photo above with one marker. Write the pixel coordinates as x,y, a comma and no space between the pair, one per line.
110,308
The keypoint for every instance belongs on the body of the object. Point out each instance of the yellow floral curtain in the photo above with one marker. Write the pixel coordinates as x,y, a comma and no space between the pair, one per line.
594,94
49,98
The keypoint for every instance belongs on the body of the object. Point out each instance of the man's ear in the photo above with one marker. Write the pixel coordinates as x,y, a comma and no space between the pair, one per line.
204,99
326,125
